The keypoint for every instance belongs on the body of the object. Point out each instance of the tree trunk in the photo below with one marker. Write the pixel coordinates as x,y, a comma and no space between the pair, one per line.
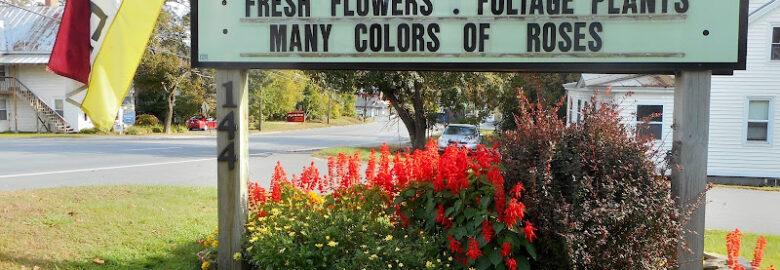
260,110
415,124
169,115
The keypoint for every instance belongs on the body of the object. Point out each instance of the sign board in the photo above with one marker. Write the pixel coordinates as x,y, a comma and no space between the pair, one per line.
296,116
623,36
128,117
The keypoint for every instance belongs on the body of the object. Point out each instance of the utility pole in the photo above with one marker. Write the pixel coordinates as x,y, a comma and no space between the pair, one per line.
689,159
330,99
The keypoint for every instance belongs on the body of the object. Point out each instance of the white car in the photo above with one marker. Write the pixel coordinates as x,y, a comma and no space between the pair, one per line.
464,135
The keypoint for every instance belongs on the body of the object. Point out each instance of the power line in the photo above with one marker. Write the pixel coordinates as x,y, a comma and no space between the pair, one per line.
30,11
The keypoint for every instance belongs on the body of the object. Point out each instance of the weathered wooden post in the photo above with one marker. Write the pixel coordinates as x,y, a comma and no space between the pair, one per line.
232,164
689,162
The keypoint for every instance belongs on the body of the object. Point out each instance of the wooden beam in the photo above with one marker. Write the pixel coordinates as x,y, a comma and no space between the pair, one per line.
232,163
689,159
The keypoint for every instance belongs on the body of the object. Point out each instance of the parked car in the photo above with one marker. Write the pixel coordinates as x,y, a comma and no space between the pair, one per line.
464,135
201,122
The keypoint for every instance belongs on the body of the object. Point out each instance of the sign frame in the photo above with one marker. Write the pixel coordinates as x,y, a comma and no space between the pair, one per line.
669,68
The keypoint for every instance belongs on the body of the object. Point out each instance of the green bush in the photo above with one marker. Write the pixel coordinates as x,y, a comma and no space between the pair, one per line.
136,130
89,131
180,129
593,190
157,129
146,120
348,231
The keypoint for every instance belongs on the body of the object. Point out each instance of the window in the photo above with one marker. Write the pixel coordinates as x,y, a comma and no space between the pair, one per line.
59,107
650,121
2,73
758,120
775,43
579,110
3,110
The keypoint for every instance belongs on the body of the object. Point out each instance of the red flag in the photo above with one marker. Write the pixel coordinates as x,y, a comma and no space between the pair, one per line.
71,54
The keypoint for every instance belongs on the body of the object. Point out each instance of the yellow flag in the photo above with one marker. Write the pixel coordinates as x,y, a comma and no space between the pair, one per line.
117,51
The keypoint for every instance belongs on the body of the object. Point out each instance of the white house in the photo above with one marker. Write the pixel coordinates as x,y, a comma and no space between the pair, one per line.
744,132
371,106
31,98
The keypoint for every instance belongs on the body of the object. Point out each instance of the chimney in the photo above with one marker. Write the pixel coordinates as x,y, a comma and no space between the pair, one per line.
52,3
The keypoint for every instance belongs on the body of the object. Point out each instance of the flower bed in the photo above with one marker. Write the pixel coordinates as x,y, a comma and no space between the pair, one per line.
413,210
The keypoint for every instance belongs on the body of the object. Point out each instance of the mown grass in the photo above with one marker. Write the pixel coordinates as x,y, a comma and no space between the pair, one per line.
276,126
126,227
11,135
365,152
715,242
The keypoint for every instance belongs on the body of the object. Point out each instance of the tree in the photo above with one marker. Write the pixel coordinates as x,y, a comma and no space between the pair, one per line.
164,71
314,103
413,95
544,88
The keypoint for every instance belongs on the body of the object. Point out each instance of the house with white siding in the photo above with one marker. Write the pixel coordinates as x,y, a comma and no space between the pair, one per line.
744,131
31,98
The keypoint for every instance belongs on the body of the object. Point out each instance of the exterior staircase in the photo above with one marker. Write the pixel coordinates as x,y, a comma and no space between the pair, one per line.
47,116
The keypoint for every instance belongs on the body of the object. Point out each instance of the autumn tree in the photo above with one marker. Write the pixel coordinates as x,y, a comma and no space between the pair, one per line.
164,72
413,95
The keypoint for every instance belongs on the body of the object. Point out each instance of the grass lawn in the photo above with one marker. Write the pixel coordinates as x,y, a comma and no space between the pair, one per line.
274,126
365,152
715,242
11,135
127,227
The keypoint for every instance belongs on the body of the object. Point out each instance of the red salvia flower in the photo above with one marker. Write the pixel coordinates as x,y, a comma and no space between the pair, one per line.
529,232
454,245
487,231
758,253
262,213
514,213
440,215
733,243
517,191
371,168
257,194
474,251
506,249
511,264
279,177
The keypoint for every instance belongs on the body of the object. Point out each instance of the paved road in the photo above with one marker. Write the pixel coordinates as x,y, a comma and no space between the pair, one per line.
56,162
749,210
43,163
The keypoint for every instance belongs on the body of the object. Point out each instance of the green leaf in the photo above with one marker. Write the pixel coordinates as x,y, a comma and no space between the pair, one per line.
495,256
483,263
409,193
469,212
523,264
529,248
498,227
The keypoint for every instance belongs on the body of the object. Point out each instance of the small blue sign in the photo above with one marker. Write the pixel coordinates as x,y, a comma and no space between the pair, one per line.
129,117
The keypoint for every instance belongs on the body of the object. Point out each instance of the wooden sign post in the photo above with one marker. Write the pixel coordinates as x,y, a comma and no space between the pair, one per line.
689,158
232,164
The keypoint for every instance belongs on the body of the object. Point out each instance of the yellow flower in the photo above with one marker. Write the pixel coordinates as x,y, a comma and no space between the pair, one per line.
291,234
253,239
389,265
389,237
373,257
318,245
332,244
363,246
327,237
237,256
400,264
450,258
428,264
215,244
205,265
